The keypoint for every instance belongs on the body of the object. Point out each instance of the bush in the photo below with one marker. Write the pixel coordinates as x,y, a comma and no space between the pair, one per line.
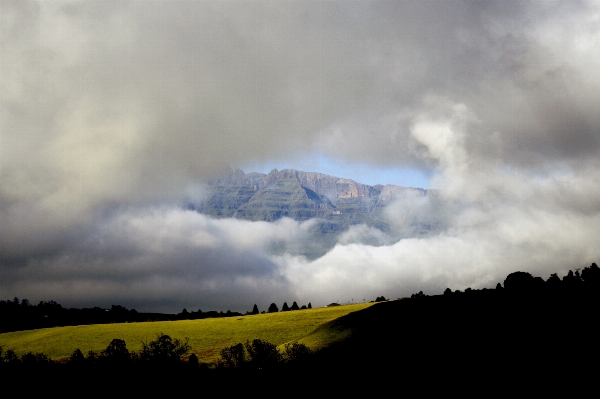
92,357
116,352
164,350
10,357
263,354
296,353
76,358
518,282
233,356
37,359
193,361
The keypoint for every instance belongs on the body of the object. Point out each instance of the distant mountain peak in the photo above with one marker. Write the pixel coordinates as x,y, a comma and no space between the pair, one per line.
336,203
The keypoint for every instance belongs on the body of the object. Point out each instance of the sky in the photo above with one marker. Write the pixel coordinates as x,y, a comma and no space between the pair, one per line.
112,112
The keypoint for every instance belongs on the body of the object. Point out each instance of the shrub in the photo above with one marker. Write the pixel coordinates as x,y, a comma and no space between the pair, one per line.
10,357
76,357
296,353
116,352
92,357
518,282
263,354
164,350
233,356
193,361
37,359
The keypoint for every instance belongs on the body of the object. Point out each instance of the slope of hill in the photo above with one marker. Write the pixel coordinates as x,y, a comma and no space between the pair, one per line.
207,336
482,335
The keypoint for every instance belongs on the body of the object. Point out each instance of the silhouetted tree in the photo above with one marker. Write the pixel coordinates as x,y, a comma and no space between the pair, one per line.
498,286
296,353
37,359
295,306
92,357
255,309
184,314
10,357
309,306
553,282
591,274
233,356
263,354
572,280
273,308
518,282
116,352
76,358
193,361
447,291
164,350
285,307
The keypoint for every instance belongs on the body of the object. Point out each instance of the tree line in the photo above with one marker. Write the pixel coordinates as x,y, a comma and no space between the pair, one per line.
162,352
523,283
165,352
19,315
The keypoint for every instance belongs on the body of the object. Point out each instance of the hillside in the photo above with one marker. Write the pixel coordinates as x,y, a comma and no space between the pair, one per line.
207,336
487,336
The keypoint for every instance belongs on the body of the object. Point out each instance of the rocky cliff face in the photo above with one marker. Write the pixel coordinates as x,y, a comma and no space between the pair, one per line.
334,202
301,196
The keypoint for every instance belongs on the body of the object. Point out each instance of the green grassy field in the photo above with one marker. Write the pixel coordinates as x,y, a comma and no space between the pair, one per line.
206,337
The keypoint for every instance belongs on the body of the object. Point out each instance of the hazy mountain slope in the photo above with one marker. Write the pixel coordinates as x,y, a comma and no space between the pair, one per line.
335,204
284,197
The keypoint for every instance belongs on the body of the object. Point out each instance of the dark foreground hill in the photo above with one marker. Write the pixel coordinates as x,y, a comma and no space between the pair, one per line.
490,335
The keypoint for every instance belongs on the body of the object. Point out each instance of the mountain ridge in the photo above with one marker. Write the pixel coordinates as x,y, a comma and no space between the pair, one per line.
334,203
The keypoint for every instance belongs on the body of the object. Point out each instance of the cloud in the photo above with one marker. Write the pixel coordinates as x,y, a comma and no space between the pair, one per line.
114,112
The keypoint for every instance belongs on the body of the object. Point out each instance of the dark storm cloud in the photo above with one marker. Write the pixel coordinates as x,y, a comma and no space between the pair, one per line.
111,110
168,252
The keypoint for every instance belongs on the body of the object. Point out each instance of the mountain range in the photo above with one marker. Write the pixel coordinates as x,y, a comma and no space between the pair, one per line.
334,203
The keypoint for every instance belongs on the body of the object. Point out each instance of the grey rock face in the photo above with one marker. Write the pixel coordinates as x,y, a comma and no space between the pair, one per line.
336,203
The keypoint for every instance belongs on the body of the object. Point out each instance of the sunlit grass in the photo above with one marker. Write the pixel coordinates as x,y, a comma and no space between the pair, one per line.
206,337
